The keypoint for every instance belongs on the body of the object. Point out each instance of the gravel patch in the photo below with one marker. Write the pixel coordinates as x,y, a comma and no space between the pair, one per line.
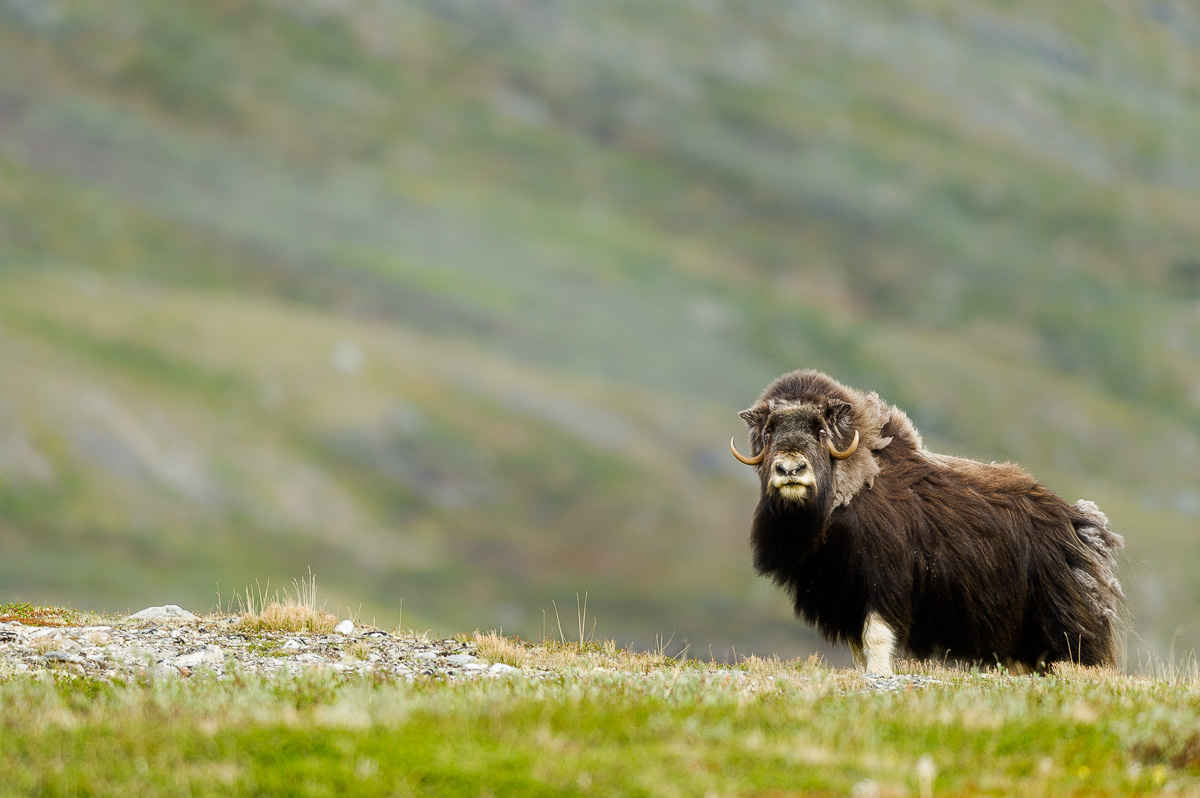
175,644
900,681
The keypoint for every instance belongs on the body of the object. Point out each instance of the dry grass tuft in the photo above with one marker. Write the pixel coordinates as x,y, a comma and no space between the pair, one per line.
1177,672
496,648
761,666
551,654
45,644
287,613
288,617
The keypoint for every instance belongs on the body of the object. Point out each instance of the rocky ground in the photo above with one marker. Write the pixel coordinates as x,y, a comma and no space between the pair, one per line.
173,643
169,642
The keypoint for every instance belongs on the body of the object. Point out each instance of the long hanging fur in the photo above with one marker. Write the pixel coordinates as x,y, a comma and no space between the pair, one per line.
961,559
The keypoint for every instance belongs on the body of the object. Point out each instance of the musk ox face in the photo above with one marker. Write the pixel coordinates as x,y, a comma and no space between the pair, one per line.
796,445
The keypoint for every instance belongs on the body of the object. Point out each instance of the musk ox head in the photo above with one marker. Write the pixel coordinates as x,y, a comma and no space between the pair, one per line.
795,446
814,440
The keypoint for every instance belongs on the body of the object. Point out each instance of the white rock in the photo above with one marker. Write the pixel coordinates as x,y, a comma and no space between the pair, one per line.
209,655
165,670
172,612
345,627
292,644
500,669
460,659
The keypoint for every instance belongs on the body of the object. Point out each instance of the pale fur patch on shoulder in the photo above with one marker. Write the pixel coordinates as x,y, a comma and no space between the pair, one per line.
871,415
853,475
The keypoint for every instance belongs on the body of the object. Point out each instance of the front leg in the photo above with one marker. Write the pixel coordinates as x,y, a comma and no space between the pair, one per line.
860,659
878,646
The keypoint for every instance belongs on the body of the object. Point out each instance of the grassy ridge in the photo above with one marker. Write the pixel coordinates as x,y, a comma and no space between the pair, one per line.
605,721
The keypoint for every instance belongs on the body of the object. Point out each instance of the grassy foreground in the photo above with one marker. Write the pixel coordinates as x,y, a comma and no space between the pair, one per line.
607,722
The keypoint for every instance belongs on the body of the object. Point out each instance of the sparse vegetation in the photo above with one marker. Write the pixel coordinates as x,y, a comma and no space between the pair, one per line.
32,615
287,613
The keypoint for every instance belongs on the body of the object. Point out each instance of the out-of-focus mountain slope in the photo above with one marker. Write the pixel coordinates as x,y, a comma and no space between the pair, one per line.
456,302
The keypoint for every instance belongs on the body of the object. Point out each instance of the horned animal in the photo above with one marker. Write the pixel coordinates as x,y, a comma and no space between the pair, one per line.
893,549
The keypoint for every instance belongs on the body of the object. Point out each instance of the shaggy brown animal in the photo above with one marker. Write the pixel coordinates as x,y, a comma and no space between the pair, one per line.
891,548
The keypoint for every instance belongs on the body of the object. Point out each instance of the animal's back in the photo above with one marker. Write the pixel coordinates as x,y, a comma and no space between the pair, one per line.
928,534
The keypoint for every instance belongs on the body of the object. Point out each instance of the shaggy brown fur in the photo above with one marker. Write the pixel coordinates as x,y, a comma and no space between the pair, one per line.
958,558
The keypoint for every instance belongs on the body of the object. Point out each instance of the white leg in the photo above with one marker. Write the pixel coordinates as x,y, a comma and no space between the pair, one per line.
879,643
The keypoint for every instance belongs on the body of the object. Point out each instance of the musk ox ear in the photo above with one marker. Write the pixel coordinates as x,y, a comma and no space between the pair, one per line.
837,414
755,416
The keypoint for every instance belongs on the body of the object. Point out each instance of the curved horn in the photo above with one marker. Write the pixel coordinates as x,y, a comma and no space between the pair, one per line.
750,461
843,454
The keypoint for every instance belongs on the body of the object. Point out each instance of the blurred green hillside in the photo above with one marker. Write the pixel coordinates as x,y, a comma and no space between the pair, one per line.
456,302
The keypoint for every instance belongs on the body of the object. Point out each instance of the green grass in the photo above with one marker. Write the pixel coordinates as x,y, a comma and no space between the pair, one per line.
604,721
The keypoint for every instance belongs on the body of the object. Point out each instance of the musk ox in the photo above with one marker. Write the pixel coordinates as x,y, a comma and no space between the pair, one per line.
891,548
